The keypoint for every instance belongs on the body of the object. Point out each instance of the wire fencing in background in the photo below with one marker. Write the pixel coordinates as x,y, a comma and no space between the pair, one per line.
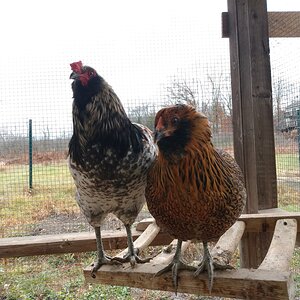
185,62
286,108
179,57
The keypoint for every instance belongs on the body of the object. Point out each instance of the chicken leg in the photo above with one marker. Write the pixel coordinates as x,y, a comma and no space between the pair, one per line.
208,264
102,258
175,265
132,254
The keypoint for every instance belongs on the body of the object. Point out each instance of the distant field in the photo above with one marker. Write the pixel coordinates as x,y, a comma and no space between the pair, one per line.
53,192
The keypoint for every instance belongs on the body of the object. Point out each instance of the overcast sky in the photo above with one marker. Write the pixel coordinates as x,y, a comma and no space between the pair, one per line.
137,46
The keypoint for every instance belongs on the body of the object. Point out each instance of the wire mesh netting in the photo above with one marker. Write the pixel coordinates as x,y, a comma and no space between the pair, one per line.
180,57
149,66
286,107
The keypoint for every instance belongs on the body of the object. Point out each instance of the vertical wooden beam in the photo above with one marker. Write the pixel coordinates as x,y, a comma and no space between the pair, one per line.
252,114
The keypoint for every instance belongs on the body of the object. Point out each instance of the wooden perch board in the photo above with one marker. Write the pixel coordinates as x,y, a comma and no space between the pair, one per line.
284,237
85,241
145,239
261,283
227,244
70,243
264,221
167,254
242,283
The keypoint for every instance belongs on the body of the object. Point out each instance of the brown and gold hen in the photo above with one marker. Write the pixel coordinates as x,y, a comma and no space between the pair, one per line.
194,191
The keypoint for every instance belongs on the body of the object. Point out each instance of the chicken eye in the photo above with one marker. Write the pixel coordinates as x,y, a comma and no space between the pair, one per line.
91,73
175,121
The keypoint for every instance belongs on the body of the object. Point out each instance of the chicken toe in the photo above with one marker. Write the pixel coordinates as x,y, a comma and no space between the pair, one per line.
175,265
132,254
208,264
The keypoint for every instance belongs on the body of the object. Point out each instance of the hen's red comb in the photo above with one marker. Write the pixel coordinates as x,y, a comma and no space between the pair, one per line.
76,66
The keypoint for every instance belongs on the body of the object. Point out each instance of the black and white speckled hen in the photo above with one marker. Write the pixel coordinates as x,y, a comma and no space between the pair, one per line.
109,157
194,191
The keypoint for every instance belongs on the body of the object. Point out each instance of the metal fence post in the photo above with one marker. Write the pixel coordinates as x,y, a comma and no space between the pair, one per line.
298,133
30,154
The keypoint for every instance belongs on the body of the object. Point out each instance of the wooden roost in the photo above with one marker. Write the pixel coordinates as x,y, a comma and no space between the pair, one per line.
271,280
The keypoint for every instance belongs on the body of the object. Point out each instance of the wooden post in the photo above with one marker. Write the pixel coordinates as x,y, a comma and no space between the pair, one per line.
252,115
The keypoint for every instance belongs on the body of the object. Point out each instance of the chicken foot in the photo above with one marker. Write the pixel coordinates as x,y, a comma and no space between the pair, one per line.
102,258
132,254
175,265
208,264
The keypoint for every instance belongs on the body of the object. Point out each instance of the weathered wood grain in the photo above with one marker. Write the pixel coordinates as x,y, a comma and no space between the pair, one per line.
281,24
85,241
261,222
252,109
145,239
241,284
227,244
70,243
281,250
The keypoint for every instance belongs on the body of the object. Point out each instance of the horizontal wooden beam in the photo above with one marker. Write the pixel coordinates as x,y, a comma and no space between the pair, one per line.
241,284
70,243
281,24
262,222
85,241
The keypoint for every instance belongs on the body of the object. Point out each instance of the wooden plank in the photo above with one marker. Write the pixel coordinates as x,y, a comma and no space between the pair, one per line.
284,237
236,96
284,24
255,101
242,283
85,241
281,24
227,244
145,239
70,243
253,115
262,221
167,253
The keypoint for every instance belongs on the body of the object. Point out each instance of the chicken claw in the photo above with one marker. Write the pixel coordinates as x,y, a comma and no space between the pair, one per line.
175,265
105,260
102,258
133,258
132,254
208,264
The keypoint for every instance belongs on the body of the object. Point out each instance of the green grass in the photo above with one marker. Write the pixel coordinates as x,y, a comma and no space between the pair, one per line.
53,277
287,163
53,193
295,267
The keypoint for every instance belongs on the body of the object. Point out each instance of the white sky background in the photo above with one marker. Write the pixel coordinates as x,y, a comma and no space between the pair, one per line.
137,46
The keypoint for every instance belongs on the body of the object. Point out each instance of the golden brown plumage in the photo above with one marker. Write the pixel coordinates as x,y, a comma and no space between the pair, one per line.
194,190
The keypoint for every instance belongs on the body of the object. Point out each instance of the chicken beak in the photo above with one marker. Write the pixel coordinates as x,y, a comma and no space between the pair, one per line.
74,75
158,135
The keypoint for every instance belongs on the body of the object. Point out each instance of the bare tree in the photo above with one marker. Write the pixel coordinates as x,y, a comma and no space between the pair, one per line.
216,95
143,114
212,96
278,90
181,92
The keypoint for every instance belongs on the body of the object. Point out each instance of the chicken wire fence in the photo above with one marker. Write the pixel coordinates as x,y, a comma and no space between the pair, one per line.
182,60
